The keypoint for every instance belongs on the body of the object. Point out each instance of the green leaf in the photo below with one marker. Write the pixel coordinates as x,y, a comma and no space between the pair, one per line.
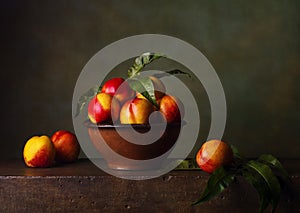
85,98
218,181
141,61
239,160
236,153
258,183
171,72
144,85
187,164
275,164
270,181
183,165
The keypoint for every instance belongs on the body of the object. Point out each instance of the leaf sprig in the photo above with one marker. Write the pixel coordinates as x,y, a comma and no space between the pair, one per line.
262,173
143,85
85,98
141,61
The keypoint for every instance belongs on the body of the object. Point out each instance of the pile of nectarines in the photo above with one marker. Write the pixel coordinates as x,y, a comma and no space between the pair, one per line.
43,151
118,102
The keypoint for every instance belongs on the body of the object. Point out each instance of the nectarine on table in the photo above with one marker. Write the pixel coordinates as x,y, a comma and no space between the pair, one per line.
66,146
213,154
39,152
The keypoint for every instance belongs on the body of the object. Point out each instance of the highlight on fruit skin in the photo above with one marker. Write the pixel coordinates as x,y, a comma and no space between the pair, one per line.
213,154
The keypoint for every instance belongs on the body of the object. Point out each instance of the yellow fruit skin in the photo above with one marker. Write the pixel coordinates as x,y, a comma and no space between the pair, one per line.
136,111
39,152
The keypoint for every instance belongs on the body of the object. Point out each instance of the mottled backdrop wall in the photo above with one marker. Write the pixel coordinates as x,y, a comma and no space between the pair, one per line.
253,45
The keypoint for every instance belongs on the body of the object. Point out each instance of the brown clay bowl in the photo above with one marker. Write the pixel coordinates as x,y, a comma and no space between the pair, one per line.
108,142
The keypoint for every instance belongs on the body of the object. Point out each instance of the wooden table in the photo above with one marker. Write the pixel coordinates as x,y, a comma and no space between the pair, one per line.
82,187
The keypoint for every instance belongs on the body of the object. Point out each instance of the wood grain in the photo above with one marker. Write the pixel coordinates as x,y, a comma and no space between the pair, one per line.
82,187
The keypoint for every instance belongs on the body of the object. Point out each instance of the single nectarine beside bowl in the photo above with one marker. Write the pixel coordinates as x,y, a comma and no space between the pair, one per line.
213,154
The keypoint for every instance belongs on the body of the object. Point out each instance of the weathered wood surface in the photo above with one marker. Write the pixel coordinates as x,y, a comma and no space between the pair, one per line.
82,187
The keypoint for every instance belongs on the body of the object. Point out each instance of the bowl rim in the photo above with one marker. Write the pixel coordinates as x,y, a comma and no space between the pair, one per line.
89,124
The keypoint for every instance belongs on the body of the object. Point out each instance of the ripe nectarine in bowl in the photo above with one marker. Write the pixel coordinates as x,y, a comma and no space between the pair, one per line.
124,154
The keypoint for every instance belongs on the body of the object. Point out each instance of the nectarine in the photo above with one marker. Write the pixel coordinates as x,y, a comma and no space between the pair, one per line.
136,111
66,146
213,154
103,107
171,108
39,152
118,88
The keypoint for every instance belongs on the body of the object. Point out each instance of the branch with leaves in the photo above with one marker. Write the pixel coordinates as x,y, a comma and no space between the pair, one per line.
263,173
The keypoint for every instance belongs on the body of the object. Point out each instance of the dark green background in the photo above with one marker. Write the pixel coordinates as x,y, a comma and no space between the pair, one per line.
253,45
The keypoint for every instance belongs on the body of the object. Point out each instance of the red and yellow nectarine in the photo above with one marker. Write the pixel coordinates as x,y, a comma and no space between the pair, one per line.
213,154
66,146
171,108
39,152
103,107
136,111
118,88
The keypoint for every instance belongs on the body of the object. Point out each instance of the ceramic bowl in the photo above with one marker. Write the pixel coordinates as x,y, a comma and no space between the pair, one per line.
111,145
